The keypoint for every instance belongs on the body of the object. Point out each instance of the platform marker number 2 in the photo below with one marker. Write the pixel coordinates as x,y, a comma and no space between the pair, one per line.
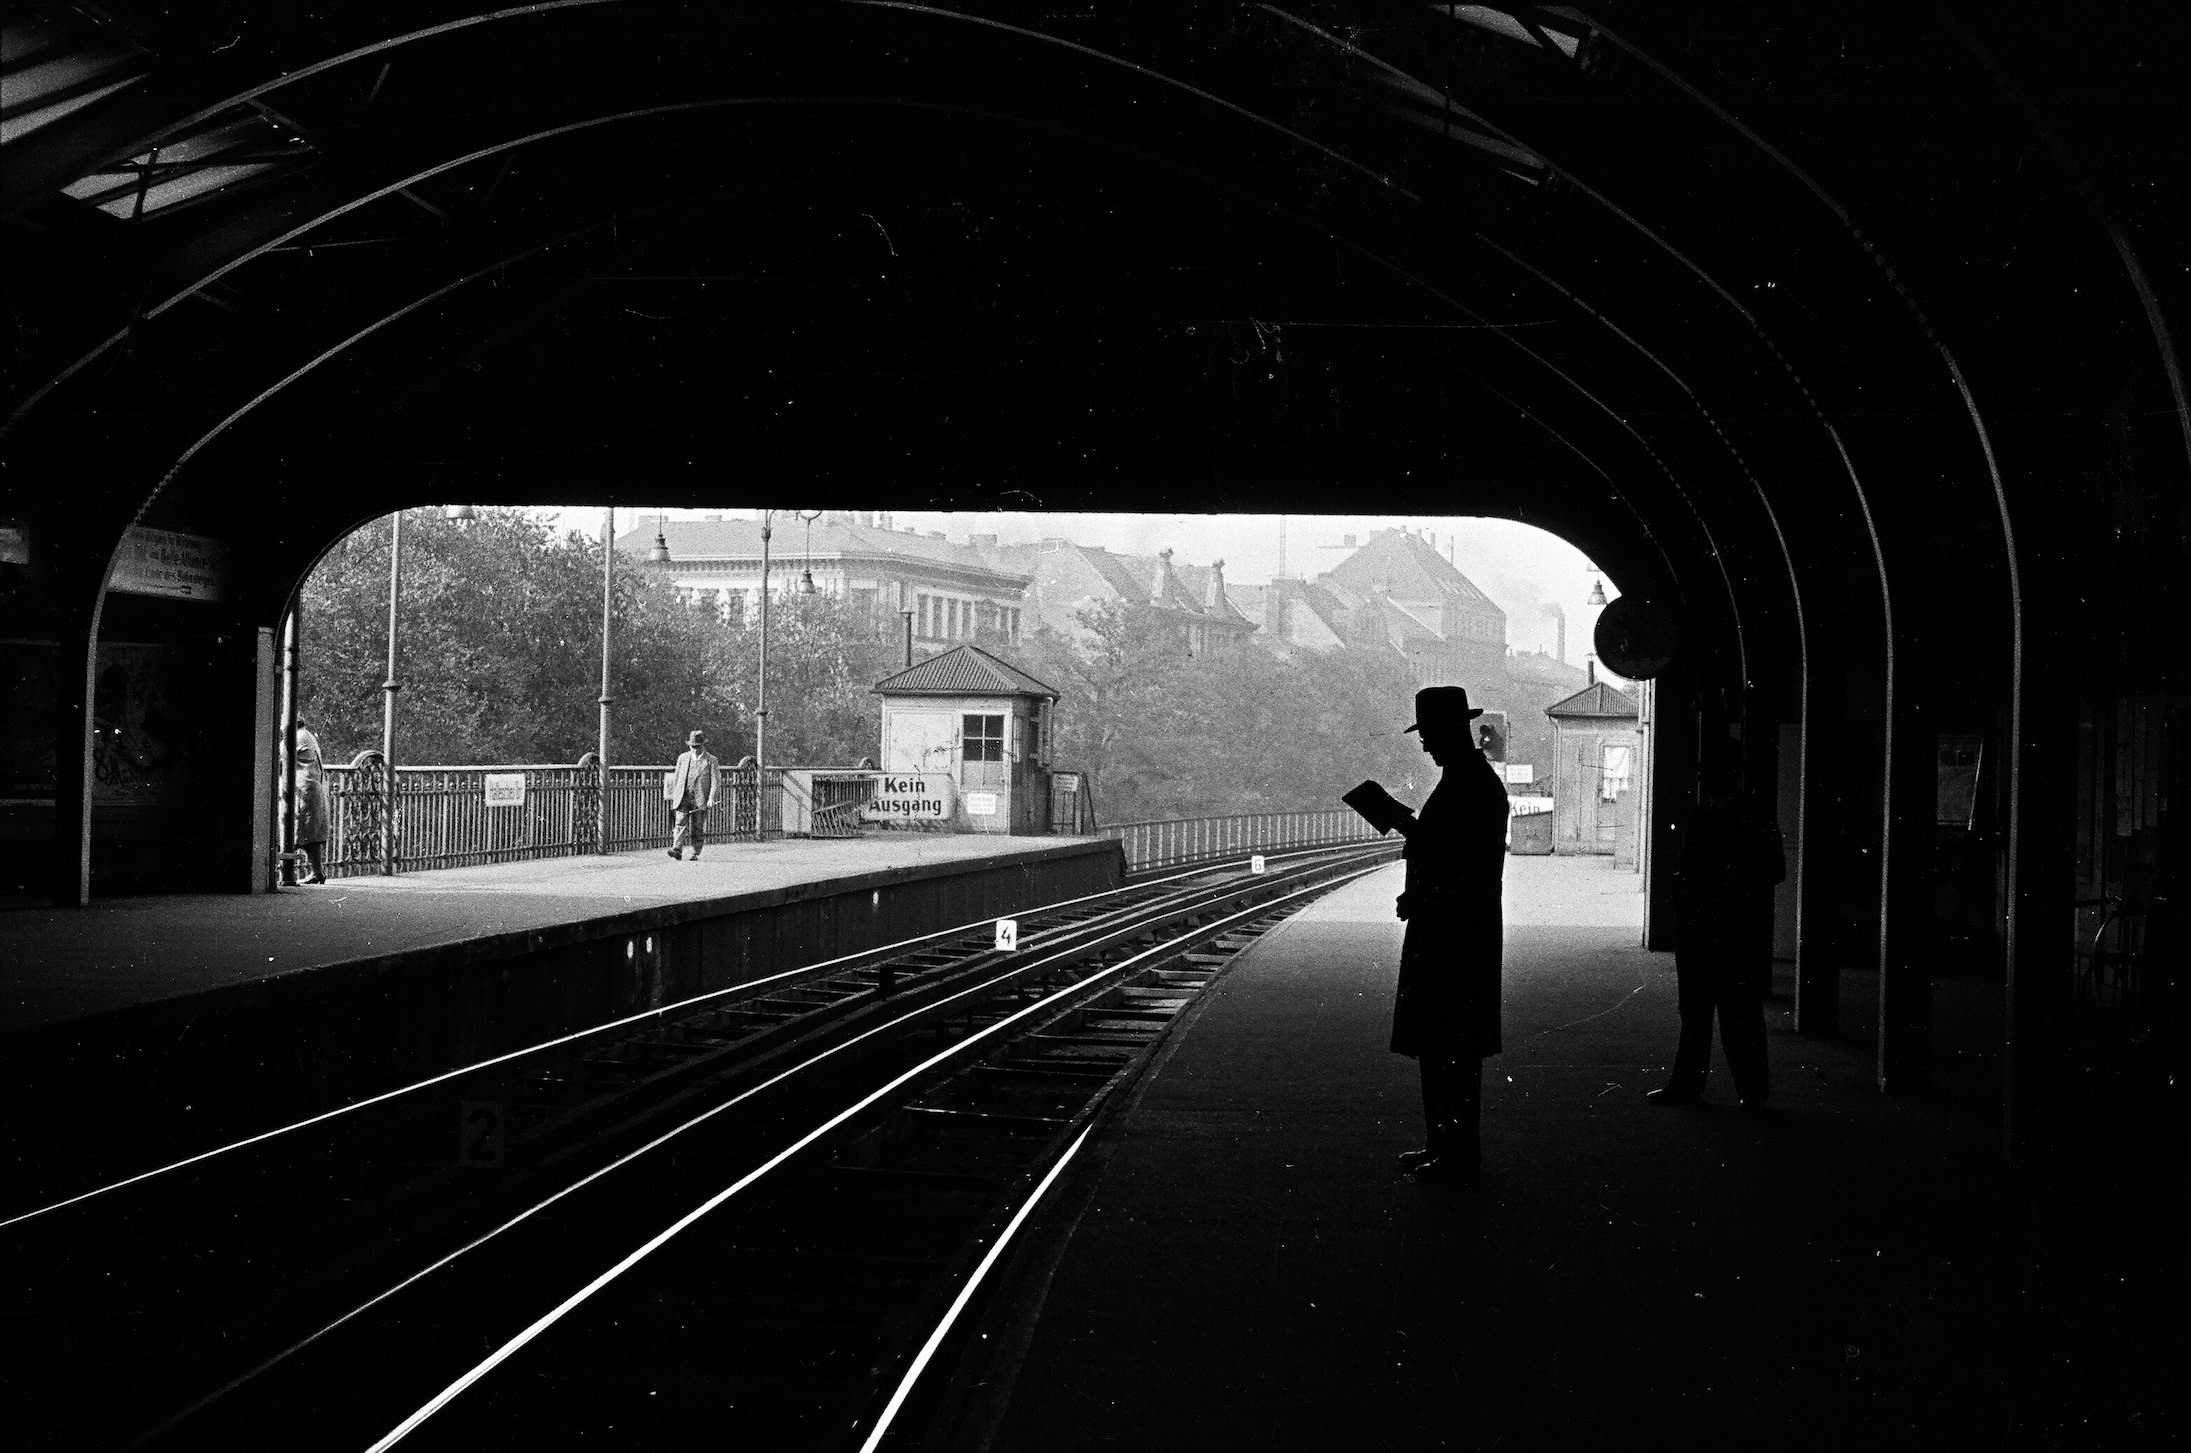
1007,935
479,1133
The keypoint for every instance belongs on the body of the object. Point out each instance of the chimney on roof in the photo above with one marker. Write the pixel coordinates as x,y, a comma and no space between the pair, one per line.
1346,542
1163,575
936,535
836,517
1214,595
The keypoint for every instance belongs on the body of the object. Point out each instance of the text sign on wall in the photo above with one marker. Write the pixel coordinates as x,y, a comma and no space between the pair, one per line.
165,563
981,804
505,789
904,796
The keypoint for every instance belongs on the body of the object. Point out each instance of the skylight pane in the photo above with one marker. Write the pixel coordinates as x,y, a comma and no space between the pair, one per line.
33,83
184,187
1498,22
14,128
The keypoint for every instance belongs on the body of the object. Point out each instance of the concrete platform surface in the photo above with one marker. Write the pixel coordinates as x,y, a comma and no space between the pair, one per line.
69,963
1239,1263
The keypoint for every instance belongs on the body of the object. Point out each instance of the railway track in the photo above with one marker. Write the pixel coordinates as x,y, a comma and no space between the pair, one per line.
802,1174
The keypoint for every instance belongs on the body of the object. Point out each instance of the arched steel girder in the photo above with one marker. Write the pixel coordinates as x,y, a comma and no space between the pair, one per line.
1529,244
384,193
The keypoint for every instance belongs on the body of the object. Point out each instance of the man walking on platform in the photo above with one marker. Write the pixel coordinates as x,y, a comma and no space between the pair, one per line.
1446,1014
1731,856
692,790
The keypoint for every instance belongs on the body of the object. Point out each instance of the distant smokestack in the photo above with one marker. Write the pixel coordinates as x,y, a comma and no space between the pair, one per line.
1552,608
1215,595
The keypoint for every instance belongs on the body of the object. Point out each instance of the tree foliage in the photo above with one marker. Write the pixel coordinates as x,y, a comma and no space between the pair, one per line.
1162,733
499,632
499,624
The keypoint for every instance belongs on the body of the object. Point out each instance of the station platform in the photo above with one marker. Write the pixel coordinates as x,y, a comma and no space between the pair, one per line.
149,1027
1237,1261
119,953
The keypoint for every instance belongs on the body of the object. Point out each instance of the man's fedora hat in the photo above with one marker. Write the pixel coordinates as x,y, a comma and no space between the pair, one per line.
1443,706
692,737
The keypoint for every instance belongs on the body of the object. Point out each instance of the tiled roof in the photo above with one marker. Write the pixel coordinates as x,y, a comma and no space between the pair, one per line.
1408,567
1596,699
963,671
694,540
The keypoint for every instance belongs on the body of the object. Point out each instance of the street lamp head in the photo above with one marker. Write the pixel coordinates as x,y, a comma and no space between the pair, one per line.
1597,593
660,553
806,582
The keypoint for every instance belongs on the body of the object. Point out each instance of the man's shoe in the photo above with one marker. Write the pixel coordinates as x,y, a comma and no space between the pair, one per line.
680,857
1416,1159
1675,1095
695,855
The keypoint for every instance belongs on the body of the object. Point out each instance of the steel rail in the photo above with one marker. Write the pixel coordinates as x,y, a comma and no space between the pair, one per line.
912,1018
786,978
866,1102
974,1280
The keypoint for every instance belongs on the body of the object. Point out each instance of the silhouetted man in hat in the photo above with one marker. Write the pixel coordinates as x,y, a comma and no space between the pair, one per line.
1446,1013
1731,856
692,790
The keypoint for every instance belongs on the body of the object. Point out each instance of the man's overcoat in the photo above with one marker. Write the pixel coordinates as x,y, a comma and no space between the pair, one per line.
1448,1000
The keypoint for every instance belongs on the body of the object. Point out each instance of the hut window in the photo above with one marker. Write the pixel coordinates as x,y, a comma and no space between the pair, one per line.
983,738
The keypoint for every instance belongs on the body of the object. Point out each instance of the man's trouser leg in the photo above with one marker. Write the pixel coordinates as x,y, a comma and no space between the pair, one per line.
1453,1108
1742,1036
1693,1056
691,830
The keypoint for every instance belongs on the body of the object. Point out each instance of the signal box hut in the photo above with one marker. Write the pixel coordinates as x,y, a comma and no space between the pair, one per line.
966,745
1597,756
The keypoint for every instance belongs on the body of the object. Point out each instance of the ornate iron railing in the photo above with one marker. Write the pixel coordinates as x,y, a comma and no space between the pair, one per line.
1199,839
443,819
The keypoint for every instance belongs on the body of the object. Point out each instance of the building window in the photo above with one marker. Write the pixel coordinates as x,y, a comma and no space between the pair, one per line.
983,738
1014,631
921,606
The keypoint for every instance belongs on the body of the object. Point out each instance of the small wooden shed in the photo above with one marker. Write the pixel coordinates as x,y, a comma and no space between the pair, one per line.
1597,757
982,722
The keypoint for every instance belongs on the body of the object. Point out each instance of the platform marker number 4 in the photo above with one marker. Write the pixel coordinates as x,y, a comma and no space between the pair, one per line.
479,1133
1255,863
1007,935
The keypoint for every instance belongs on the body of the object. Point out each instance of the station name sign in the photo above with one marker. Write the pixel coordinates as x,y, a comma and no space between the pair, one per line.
904,796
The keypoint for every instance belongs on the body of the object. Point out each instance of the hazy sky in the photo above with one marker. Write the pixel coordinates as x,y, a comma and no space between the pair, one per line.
1519,566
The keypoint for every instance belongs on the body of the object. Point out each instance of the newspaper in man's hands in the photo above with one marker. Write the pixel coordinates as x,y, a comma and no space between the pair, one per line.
1379,808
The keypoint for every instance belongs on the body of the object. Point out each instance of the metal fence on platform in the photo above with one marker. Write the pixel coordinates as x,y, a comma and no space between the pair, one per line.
1200,839
455,817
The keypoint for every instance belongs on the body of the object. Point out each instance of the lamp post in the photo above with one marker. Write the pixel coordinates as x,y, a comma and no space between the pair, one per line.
760,714
660,556
608,612
389,688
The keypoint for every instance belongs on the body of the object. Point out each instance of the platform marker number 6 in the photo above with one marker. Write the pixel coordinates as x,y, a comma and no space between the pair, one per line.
1007,935
1255,863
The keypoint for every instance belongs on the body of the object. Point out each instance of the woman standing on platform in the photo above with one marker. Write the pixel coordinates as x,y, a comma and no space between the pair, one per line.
313,808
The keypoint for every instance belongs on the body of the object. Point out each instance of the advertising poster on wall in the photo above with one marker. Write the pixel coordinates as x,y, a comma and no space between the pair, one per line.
140,752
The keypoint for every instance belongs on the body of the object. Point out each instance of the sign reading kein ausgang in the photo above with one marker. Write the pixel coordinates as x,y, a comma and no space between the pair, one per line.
901,797
163,562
